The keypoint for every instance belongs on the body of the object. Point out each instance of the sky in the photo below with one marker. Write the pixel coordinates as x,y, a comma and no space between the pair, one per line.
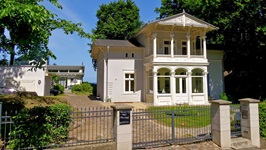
73,50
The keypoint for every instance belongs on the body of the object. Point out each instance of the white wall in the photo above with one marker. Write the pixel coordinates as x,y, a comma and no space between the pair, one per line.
23,79
215,69
118,64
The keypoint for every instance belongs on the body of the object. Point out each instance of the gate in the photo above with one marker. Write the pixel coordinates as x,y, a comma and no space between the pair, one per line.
235,120
162,126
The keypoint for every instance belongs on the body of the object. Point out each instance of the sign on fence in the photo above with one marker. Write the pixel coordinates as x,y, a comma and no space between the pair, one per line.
124,117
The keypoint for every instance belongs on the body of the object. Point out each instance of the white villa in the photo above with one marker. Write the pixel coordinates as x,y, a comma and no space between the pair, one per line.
165,63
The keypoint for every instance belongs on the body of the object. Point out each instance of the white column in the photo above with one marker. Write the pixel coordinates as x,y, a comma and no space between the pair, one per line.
188,45
173,88
200,45
204,47
189,91
172,44
205,87
155,99
154,44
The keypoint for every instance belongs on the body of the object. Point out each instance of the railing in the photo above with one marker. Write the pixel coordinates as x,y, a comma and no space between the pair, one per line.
162,126
235,120
89,126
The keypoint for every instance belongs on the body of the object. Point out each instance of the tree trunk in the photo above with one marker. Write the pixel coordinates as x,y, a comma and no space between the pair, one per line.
12,54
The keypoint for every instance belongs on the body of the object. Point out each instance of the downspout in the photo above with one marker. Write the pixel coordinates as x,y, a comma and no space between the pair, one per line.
106,90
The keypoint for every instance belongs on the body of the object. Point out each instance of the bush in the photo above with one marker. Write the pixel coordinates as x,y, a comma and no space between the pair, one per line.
40,126
82,88
262,118
59,88
223,96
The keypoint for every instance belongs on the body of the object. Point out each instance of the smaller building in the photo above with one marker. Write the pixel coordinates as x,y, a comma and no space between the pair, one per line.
69,75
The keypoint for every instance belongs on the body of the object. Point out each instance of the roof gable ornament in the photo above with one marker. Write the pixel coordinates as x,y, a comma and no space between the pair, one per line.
184,18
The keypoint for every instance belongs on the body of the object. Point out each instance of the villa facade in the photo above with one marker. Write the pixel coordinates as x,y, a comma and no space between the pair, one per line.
165,63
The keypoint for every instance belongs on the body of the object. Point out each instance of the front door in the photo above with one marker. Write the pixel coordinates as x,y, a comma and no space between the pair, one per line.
181,90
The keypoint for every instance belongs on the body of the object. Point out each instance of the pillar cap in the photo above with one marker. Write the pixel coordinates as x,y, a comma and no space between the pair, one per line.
121,107
221,102
250,100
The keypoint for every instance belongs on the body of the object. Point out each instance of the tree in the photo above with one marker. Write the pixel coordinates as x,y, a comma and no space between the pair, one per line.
25,28
116,20
242,31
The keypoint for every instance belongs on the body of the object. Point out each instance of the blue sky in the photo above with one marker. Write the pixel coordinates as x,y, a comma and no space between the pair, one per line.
73,50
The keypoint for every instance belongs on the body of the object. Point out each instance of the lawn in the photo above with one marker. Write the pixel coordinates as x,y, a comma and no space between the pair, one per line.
182,116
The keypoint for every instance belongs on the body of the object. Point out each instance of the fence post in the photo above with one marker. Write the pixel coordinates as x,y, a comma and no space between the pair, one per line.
220,119
122,123
250,127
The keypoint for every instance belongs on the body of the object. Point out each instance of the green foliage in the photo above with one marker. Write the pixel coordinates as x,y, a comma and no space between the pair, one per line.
59,88
117,20
55,79
262,118
82,88
30,25
40,126
223,96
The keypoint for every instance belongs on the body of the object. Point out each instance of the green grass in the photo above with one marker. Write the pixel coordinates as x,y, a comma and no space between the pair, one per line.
184,115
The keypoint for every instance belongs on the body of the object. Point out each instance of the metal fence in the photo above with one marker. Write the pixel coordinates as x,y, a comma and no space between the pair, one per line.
235,120
162,126
88,126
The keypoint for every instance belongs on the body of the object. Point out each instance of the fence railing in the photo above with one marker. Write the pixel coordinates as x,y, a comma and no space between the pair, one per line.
161,126
235,120
88,126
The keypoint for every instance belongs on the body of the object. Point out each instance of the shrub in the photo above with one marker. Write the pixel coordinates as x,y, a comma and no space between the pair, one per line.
59,88
40,126
223,96
262,118
82,88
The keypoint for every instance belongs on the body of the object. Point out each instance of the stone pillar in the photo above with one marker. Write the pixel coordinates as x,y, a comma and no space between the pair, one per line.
250,127
220,121
122,126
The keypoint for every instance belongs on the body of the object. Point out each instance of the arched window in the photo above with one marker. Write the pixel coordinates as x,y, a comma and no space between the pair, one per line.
164,80
197,81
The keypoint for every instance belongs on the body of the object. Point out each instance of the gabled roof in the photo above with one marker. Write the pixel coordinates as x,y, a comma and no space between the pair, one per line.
179,20
184,19
113,43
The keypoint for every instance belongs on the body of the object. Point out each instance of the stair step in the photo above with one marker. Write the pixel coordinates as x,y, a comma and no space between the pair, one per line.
242,144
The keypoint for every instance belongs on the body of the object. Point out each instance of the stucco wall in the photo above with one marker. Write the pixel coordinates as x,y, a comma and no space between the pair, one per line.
23,79
215,69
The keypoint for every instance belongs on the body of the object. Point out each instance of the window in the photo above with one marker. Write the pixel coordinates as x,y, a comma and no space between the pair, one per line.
167,47
126,54
163,81
184,47
133,55
129,82
197,81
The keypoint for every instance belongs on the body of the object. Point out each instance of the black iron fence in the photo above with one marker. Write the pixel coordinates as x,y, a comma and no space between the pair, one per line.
235,120
162,126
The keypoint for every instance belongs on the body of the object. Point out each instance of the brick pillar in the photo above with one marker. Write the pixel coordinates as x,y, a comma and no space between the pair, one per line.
123,126
220,119
250,127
